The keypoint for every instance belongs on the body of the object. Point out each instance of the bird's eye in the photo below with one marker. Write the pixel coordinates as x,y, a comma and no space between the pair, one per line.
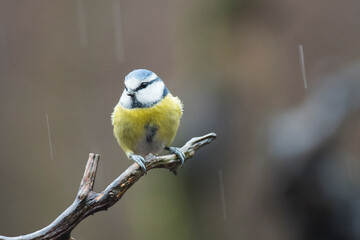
144,85
126,88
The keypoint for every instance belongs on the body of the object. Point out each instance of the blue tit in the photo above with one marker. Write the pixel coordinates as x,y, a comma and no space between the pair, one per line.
147,117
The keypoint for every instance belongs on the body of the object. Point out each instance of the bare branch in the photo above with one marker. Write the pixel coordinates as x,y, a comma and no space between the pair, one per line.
88,180
88,202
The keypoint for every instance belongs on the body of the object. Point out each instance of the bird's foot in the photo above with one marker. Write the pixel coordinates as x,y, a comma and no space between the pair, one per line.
177,151
139,160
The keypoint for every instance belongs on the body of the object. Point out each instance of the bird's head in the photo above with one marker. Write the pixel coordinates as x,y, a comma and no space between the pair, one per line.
143,88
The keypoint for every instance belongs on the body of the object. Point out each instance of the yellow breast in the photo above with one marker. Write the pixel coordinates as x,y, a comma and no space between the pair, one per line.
144,130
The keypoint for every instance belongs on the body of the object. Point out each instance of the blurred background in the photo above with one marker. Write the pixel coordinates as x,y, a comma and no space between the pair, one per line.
285,164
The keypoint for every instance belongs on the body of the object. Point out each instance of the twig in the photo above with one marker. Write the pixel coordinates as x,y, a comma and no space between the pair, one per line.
88,202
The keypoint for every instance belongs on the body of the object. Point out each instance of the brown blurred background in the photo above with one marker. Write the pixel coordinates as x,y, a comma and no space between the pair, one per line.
286,161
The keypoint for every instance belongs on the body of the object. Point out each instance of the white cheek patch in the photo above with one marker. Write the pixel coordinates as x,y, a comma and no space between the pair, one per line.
125,100
151,94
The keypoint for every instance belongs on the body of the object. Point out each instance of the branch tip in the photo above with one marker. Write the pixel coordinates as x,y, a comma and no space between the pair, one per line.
88,180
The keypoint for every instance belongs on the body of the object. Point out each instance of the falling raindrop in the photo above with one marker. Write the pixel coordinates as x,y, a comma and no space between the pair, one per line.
81,22
118,31
48,128
222,193
302,63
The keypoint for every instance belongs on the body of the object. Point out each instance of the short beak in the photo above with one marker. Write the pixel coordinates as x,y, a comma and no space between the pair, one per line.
130,93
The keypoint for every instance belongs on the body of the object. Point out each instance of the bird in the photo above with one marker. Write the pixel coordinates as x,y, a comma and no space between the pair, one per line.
147,117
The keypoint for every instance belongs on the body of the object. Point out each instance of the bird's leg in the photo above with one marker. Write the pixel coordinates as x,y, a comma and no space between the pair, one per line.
177,151
139,160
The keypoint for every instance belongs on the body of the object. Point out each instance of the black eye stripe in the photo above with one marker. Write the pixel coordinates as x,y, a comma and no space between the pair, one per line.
145,84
